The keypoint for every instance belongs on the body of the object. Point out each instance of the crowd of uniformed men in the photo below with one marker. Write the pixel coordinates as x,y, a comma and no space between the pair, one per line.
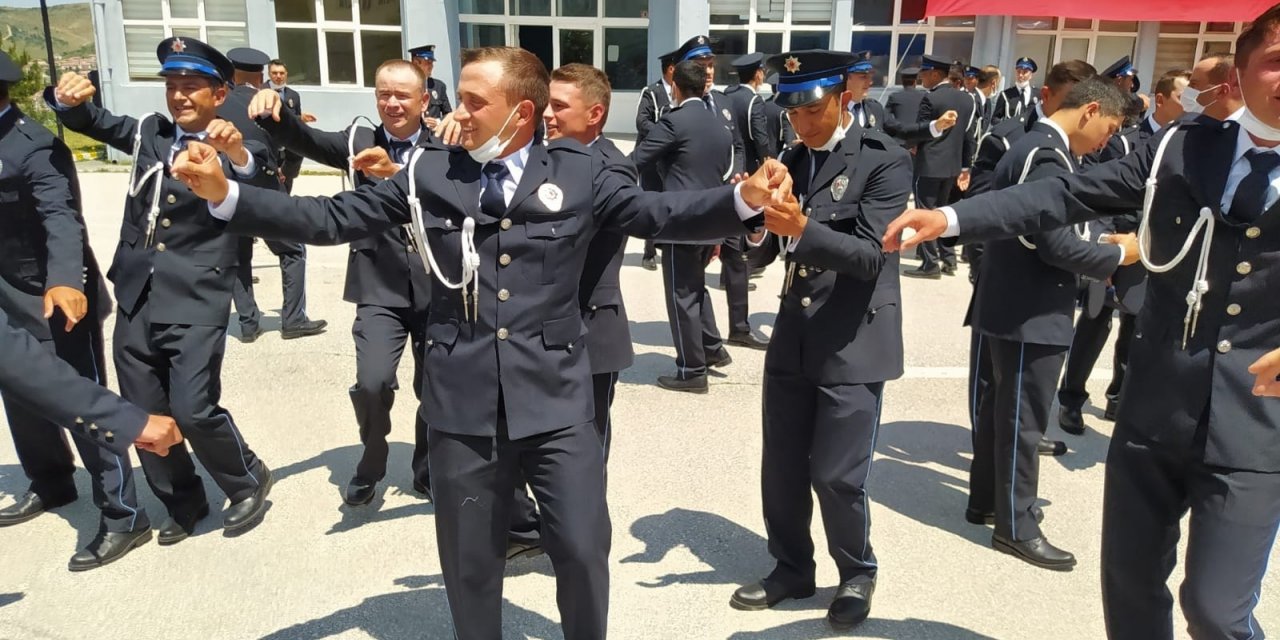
488,240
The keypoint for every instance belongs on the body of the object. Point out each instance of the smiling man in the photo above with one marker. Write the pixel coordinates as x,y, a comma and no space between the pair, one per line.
507,222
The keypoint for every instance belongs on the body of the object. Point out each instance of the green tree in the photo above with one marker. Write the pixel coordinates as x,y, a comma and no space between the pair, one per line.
26,93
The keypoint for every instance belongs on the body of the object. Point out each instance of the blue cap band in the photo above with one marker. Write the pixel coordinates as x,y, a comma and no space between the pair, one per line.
1025,65
808,85
189,63
697,52
427,55
861,67
1123,71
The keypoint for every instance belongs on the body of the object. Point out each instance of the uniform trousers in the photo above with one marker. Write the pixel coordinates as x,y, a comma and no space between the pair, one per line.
1005,474
932,193
1090,337
293,278
1149,487
42,445
474,480
380,335
735,270
176,370
819,438
689,310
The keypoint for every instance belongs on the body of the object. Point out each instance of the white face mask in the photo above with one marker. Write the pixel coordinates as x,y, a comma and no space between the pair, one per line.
837,135
1257,128
1190,99
492,147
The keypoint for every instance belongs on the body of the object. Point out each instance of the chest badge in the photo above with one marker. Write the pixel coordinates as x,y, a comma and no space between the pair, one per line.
290,103
551,196
434,94
727,116
871,118
838,187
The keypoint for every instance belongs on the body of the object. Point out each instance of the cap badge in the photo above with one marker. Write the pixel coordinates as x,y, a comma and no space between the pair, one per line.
178,45
793,64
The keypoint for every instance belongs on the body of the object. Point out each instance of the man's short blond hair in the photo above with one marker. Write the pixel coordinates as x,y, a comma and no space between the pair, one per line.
592,82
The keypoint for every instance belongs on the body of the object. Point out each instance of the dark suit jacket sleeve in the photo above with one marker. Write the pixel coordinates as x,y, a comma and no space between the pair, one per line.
1112,189
679,215
990,150
35,377
650,151
264,160
999,108
918,131
759,132
97,123
971,140
860,254
892,125
326,147
46,172
272,214
1061,247
645,113
448,104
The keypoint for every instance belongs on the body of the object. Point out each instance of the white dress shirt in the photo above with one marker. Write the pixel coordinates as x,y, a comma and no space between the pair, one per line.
1240,168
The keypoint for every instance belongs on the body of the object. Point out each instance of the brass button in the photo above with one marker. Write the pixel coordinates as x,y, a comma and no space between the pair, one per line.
1252,232
1233,309
503,334
833,216
805,301
504,259
802,272
504,295
505,224
79,420
595,307
448,223
808,211
171,199
1177,220
166,223
412,248
1244,268
430,342
160,247
110,436
93,427
1224,346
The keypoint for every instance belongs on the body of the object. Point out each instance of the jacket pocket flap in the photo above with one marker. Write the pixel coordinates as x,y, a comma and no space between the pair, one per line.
560,227
563,332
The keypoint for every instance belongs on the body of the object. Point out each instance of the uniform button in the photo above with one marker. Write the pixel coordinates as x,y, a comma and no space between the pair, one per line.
1177,220
1224,346
160,247
1252,232
595,307
808,211
1233,309
448,223
110,436
93,428
833,216
505,224
805,301
802,272
504,259
430,342
166,223
79,420
171,199
503,333
504,295
1244,268
412,248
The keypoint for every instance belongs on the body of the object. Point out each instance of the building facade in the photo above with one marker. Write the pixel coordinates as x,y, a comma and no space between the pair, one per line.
333,46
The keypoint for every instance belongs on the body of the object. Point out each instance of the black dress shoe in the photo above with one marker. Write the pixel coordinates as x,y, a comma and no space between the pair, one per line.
928,274
424,490
1071,421
748,340
30,506
696,384
948,269
1037,552
973,516
251,335
108,547
304,329
722,359
650,264
179,528
1110,413
517,550
248,512
757,272
852,604
359,492
1055,448
765,594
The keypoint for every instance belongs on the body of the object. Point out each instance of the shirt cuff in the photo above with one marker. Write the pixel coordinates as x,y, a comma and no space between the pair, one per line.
226,210
1121,247
756,245
247,170
745,212
953,223
933,129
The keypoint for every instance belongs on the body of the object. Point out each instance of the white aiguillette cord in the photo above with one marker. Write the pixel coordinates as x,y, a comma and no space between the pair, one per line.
1200,282
470,257
1082,230
136,182
350,178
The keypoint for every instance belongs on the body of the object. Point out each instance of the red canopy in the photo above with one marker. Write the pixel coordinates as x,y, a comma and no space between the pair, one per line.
1164,10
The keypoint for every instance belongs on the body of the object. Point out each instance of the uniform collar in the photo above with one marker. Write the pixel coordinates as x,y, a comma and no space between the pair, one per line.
1155,126
412,140
515,162
1244,143
1048,122
667,87
688,100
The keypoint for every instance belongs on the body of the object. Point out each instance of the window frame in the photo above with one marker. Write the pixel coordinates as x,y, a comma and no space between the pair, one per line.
901,33
1202,37
1092,33
168,23
323,27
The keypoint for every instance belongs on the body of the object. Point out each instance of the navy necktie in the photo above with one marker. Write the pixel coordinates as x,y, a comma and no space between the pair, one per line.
707,100
1251,195
856,109
182,145
492,202
398,149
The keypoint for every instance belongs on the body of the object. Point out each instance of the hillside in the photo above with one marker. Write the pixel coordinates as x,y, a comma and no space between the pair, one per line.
71,24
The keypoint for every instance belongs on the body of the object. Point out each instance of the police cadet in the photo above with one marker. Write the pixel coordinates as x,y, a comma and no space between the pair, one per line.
278,81
1022,308
1124,292
1125,76
508,376
51,288
32,375
1195,438
1019,98
294,322
386,277
690,146
837,338
1209,92
943,157
901,107
867,111
655,102
988,82
438,104
173,274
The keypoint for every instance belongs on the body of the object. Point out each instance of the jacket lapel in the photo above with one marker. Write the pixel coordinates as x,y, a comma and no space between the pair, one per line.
835,165
464,174
536,172
1212,168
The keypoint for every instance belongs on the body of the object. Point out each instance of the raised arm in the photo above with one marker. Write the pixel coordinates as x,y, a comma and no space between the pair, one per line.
70,100
289,131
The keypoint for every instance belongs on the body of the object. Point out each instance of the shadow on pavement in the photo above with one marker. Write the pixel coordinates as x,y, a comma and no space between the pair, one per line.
341,464
10,598
421,610
735,554
900,482
909,629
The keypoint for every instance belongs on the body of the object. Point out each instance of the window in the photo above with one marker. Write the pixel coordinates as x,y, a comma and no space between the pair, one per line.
1182,44
1048,40
220,23
337,42
739,27
897,34
609,34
